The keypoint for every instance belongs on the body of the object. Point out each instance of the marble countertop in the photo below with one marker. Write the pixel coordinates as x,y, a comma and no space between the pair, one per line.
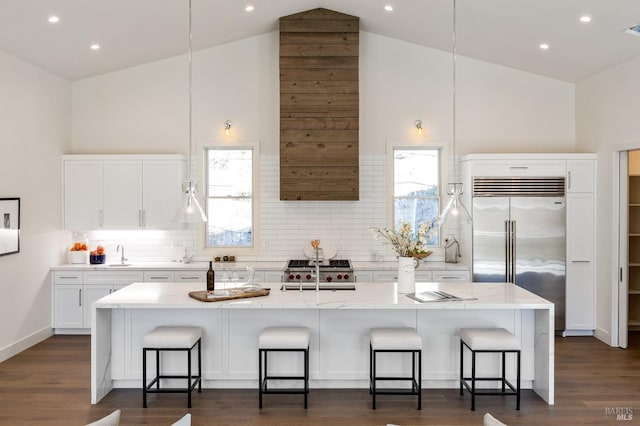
366,296
240,265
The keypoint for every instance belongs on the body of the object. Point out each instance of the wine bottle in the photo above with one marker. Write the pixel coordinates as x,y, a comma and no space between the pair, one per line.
211,278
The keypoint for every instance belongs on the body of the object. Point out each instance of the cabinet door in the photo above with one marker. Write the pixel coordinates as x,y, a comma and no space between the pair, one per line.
161,193
273,276
67,306
122,194
91,294
580,176
82,195
364,276
580,281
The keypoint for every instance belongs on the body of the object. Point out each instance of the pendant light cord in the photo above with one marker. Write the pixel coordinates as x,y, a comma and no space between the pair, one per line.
453,140
190,100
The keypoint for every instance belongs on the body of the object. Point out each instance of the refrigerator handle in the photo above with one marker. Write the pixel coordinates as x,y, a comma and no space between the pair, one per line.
507,251
512,239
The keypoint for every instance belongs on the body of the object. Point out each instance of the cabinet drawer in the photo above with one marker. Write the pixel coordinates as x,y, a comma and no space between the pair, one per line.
159,276
113,277
392,276
519,168
451,276
191,276
67,277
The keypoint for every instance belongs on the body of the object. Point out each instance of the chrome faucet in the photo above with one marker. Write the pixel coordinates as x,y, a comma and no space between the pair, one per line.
122,258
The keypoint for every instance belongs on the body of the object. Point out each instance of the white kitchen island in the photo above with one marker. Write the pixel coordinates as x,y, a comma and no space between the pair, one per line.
339,322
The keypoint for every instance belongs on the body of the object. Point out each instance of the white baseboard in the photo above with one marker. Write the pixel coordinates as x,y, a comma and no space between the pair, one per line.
603,335
568,333
25,343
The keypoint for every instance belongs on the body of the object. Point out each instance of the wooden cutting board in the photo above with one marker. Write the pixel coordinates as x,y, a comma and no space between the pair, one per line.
234,293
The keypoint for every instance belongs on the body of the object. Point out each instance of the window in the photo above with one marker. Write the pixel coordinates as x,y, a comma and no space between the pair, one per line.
229,197
416,187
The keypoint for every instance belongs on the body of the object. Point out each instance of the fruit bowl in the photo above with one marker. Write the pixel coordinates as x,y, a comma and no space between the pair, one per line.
96,259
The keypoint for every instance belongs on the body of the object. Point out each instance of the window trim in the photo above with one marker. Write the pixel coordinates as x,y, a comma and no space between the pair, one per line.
390,198
201,231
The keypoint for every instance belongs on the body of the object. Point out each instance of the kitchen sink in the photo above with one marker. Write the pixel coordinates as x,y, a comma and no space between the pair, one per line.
119,265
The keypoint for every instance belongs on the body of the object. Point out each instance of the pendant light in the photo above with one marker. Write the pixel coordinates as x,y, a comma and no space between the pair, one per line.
190,209
455,209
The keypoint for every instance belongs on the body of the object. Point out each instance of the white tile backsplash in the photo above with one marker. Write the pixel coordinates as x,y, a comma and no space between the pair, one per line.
284,228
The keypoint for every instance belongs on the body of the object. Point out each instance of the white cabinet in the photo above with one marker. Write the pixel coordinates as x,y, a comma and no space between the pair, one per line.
121,192
194,276
273,276
580,242
75,291
159,276
443,276
82,194
162,192
392,276
581,176
363,276
67,306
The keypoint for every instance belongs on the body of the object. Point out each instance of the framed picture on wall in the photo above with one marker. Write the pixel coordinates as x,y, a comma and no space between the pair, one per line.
9,225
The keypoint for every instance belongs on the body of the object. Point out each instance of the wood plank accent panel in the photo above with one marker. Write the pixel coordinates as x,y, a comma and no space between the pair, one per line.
319,106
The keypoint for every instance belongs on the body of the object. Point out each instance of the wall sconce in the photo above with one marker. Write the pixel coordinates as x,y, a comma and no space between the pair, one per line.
418,125
227,127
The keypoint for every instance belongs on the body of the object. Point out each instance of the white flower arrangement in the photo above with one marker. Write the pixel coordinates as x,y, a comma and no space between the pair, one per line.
403,241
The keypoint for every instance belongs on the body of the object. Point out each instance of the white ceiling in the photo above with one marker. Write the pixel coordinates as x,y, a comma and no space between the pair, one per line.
506,32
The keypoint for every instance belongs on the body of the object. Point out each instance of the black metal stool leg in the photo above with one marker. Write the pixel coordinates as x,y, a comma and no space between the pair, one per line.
473,380
373,383
144,378
188,378
461,365
260,378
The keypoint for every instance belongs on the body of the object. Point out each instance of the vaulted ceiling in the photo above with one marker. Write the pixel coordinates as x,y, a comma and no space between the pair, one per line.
507,32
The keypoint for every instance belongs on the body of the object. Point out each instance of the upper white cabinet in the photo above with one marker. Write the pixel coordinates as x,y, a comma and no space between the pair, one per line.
581,175
82,194
121,192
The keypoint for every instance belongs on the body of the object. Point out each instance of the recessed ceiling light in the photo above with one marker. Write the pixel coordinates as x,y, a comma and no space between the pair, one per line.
53,19
95,46
585,18
388,8
544,46
249,8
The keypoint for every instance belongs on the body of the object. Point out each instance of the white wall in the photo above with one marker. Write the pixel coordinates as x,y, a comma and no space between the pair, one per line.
35,107
144,109
607,106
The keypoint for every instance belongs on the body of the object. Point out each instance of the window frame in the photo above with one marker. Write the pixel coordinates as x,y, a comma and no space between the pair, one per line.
203,173
391,211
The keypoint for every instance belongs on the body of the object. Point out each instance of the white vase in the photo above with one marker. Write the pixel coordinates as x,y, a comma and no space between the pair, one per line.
406,275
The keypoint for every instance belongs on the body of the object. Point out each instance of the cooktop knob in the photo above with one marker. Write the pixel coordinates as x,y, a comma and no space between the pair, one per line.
339,276
308,276
297,276
329,279
291,276
346,276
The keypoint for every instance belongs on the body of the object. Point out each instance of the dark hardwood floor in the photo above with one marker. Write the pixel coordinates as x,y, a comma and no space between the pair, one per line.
49,384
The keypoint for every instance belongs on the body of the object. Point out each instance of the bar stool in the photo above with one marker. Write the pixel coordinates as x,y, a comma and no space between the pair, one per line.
489,340
398,340
166,338
283,339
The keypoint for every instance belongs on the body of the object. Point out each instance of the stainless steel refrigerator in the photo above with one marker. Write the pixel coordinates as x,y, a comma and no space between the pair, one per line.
519,236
